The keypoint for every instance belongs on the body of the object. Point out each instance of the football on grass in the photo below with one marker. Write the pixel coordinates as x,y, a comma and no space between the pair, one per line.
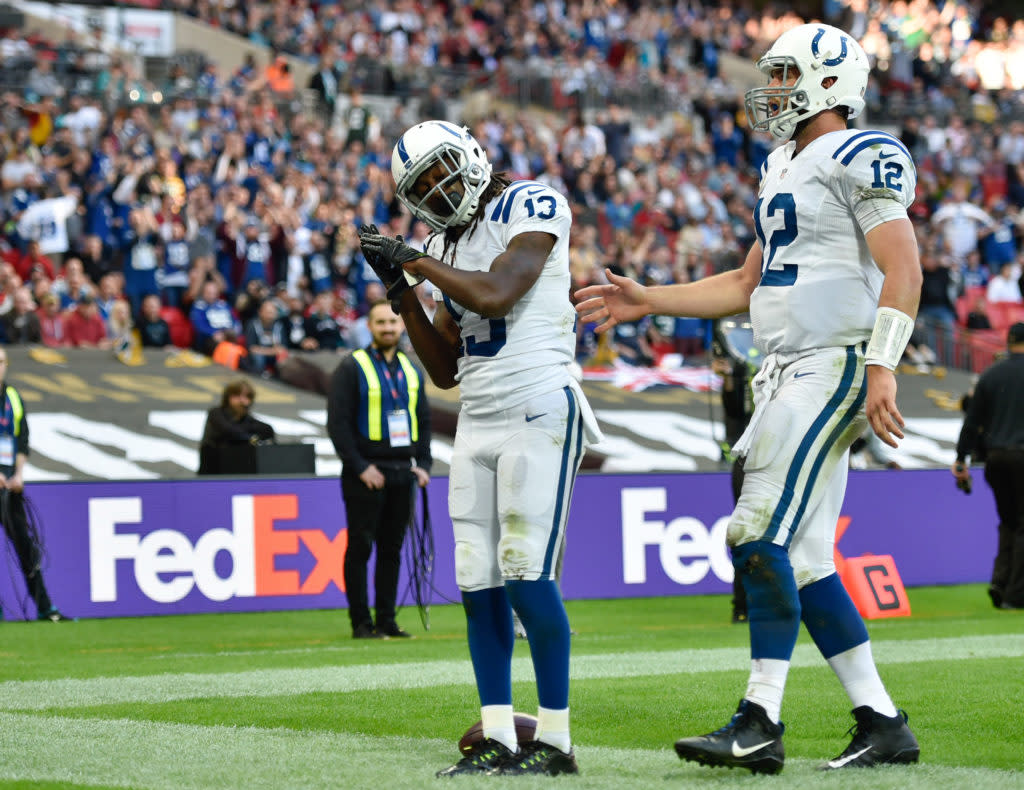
526,726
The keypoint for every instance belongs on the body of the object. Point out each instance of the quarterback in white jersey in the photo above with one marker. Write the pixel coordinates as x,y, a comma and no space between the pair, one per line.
504,331
832,286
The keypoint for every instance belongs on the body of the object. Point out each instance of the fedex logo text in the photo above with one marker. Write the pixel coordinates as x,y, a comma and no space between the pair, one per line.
167,566
687,550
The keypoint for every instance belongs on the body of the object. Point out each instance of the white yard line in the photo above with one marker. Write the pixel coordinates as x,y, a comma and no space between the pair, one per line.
73,692
162,756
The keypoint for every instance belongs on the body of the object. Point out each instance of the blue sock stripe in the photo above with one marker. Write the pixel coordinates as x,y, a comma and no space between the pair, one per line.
795,468
837,431
566,479
830,616
491,642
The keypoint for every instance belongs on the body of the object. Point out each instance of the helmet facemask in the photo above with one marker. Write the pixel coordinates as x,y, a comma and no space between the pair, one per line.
457,176
778,108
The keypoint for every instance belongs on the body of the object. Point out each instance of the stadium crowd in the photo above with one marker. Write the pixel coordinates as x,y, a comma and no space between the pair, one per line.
226,213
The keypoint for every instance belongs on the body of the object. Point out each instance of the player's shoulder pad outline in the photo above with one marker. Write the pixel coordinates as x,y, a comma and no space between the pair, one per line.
503,208
858,142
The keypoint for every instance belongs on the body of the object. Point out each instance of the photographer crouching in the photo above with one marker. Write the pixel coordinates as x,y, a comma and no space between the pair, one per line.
994,429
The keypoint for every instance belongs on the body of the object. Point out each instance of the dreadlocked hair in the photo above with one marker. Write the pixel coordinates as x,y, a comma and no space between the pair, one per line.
497,184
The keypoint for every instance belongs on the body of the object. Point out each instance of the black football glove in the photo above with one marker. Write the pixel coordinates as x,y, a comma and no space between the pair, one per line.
386,256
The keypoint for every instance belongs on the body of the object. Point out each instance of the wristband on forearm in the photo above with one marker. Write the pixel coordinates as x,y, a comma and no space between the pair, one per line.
889,338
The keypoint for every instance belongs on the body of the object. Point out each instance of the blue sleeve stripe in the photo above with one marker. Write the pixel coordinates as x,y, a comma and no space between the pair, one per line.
507,211
865,140
870,142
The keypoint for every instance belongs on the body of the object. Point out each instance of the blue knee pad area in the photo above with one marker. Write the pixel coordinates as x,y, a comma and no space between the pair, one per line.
491,640
539,605
831,617
773,605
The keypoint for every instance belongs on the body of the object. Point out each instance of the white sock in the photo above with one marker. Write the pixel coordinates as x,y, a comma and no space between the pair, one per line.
553,728
856,670
766,684
499,723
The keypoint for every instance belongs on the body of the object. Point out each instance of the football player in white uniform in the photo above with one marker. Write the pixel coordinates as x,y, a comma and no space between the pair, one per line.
505,333
832,284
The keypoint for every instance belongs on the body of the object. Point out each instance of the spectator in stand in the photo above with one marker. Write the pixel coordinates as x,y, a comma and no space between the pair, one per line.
294,325
213,319
265,338
96,261
173,274
120,326
961,223
321,326
72,285
153,329
51,321
34,262
140,245
1004,286
977,315
936,315
21,323
85,327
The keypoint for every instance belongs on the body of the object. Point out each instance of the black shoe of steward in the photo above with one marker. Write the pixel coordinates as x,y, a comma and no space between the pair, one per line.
484,756
54,615
392,630
996,596
877,740
365,631
537,757
750,740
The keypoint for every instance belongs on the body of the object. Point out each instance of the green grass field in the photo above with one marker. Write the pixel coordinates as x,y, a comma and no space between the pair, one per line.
288,700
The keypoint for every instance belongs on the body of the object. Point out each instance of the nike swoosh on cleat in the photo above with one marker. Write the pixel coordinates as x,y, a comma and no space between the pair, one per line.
743,751
840,762
535,416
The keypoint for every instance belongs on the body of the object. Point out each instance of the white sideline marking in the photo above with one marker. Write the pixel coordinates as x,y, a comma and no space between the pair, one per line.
162,756
73,692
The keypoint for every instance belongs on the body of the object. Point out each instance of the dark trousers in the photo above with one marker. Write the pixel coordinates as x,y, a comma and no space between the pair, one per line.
1004,471
375,517
15,521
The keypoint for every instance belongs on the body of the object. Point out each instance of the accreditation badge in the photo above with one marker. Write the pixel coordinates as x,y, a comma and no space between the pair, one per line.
6,451
399,434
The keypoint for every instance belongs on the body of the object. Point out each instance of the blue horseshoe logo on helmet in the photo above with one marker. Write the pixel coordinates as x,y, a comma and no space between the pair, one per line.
831,61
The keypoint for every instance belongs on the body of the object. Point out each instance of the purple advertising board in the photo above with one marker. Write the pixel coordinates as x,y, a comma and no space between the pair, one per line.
193,546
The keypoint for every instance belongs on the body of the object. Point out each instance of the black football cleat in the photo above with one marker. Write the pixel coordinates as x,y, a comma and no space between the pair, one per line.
537,757
482,757
750,740
877,740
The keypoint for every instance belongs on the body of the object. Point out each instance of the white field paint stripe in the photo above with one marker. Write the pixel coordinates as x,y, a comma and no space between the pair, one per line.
162,756
72,692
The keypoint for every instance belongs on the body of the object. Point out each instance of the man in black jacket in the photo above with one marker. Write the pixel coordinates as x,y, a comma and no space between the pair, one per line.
994,427
378,418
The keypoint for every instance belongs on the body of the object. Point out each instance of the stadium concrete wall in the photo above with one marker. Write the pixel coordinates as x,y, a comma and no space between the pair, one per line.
139,548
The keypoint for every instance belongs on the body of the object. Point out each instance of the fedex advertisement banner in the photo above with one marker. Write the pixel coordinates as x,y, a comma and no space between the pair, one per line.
192,546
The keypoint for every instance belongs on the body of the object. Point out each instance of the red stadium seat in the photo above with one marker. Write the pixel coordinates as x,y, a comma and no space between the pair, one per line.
1003,314
181,328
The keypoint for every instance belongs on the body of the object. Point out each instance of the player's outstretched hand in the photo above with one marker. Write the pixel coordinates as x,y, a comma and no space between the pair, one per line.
880,406
620,301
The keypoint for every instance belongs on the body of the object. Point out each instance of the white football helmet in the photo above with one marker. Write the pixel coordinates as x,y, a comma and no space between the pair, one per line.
454,195
817,52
